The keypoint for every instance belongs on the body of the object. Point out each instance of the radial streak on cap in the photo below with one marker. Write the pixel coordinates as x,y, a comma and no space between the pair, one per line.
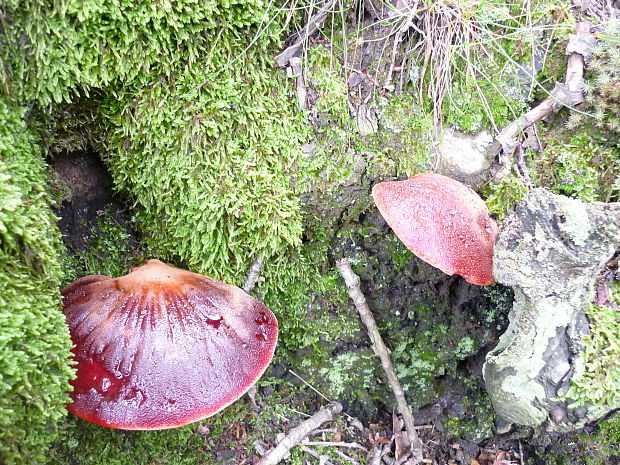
162,347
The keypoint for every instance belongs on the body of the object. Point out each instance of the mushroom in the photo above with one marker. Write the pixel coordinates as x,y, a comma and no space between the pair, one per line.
443,222
162,347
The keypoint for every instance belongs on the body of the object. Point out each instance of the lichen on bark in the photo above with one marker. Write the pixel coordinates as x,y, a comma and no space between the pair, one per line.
550,251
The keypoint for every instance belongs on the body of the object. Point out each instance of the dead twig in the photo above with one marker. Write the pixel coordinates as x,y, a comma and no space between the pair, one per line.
253,275
314,23
297,434
300,87
570,93
377,454
309,385
322,459
346,445
346,457
353,284
324,430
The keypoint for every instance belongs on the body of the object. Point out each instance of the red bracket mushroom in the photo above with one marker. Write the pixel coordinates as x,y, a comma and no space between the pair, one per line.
443,222
163,347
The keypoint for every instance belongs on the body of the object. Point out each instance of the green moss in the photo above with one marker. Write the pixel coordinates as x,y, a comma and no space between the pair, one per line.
348,373
401,255
582,163
417,362
108,249
495,305
84,443
600,446
608,436
422,356
464,348
307,296
56,50
476,421
472,109
602,86
224,152
600,382
401,143
582,159
34,341
404,142
503,197
324,73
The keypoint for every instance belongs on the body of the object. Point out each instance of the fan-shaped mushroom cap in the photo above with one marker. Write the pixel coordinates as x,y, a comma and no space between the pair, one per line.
162,347
443,222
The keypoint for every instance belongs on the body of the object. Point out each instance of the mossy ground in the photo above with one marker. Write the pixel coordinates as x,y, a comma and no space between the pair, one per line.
181,99
34,341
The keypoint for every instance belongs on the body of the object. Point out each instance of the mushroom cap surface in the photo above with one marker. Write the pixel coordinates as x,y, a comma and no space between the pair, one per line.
443,222
162,347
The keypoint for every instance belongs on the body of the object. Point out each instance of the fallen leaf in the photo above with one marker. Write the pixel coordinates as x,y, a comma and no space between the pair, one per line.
499,458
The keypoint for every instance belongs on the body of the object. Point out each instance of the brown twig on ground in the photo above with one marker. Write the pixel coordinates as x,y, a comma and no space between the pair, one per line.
314,23
568,94
353,284
297,434
253,275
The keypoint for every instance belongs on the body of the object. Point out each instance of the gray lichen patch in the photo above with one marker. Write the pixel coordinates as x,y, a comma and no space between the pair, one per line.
550,251
576,224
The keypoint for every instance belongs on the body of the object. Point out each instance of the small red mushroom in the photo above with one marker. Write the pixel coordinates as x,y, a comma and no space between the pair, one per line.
163,347
443,222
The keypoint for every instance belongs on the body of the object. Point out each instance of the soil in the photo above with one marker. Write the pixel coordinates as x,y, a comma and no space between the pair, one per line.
89,195
90,192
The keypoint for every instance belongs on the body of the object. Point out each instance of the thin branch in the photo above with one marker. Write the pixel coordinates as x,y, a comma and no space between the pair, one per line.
353,284
568,94
319,393
309,385
346,457
322,459
297,434
253,274
377,454
346,445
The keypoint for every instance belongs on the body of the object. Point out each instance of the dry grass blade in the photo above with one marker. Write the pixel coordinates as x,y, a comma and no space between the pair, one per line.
445,30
